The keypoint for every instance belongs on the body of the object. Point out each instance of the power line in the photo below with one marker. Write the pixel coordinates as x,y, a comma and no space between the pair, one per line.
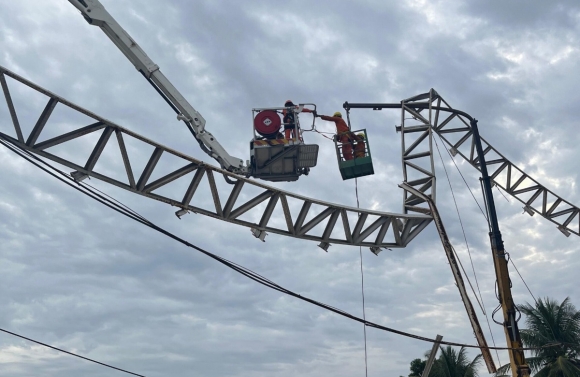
70,353
65,178
362,284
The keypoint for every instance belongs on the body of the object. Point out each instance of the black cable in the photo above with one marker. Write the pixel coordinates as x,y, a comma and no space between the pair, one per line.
462,177
70,353
362,282
482,304
243,270
502,194
521,277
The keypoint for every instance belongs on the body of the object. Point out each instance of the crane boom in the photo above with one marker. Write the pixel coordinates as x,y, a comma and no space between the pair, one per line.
517,359
96,14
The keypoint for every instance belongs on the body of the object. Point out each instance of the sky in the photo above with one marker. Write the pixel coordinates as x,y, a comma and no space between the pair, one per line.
76,275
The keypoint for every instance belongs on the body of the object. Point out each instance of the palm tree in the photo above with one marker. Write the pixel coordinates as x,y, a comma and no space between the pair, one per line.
554,329
455,364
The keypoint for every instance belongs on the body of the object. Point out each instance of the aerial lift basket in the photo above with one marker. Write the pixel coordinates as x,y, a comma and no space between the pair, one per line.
358,166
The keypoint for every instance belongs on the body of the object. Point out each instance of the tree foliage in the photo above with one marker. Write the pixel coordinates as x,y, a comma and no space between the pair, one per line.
417,367
555,330
450,363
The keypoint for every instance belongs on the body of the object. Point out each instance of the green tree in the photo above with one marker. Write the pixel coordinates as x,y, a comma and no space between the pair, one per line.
417,367
555,330
450,363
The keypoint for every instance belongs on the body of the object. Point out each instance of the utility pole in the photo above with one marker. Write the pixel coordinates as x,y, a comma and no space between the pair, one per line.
432,355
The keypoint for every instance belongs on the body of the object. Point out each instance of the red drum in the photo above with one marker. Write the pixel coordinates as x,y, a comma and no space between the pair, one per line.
267,123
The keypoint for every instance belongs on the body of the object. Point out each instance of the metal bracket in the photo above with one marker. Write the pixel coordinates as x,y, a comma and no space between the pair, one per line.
181,212
564,231
528,210
78,176
259,234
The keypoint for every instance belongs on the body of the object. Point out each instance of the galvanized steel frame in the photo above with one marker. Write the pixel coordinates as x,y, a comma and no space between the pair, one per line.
535,197
401,228
417,152
448,121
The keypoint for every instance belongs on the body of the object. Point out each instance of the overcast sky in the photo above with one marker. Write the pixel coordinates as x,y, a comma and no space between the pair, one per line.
79,276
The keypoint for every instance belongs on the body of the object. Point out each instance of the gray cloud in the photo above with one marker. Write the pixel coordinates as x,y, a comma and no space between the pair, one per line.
79,276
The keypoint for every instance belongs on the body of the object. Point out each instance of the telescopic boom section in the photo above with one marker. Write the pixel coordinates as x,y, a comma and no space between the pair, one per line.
518,362
96,14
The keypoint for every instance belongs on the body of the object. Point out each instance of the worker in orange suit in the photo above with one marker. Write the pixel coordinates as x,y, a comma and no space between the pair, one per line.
360,146
343,134
289,121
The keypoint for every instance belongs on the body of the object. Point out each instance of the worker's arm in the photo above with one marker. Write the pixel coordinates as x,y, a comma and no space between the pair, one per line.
330,119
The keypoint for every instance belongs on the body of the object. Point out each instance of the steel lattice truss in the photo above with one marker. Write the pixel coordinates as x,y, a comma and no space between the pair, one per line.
281,212
417,151
312,219
453,126
456,132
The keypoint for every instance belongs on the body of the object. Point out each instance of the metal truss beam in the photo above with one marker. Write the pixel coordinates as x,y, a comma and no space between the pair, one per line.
417,151
369,228
455,131
504,174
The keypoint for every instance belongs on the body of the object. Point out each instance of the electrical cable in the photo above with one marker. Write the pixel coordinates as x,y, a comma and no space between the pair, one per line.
481,304
70,353
502,194
323,134
65,178
464,236
362,279
462,177
521,277
362,283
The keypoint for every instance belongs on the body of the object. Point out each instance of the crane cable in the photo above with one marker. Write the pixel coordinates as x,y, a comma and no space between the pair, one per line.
362,278
79,186
521,277
464,237
362,281
507,254
481,304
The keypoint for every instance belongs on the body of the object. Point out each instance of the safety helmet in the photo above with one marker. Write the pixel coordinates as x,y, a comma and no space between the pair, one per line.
361,134
288,103
337,114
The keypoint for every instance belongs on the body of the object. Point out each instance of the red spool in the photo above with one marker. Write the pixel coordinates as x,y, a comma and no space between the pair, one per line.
267,123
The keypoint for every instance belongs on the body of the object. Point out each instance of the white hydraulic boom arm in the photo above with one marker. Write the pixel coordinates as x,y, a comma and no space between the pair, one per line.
96,14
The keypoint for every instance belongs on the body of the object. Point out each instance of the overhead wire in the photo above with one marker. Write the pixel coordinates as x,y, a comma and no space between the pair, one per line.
464,235
70,353
67,179
484,213
507,199
521,277
361,263
502,194
481,304
362,283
